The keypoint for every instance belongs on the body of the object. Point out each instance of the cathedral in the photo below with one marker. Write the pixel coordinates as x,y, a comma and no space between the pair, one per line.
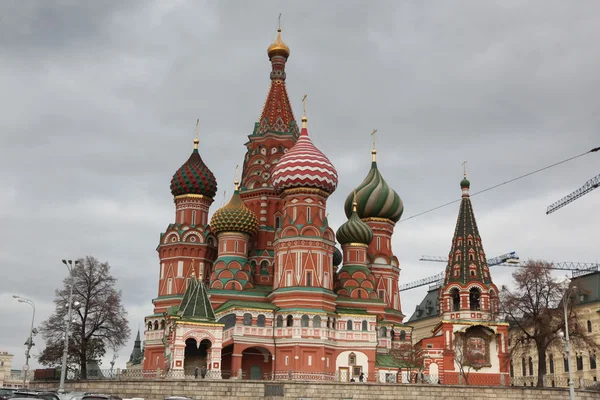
260,290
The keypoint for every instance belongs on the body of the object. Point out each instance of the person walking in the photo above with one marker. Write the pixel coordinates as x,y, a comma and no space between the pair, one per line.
361,377
203,372
196,373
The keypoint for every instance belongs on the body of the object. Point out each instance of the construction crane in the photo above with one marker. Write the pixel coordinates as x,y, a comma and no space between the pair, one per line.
511,257
576,268
585,189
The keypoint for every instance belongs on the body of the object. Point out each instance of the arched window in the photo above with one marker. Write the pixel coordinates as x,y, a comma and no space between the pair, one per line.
530,366
193,217
469,242
551,362
155,325
290,320
471,257
523,366
458,257
260,321
365,325
455,299
162,324
277,223
512,370
309,279
304,321
566,363
579,361
328,322
589,325
352,359
316,321
279,321
149,325
349,325
474,299
593,360
402,335
228,320
333,324
248,319
383,331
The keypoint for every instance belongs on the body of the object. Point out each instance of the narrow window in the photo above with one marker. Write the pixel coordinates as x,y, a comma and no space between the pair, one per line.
352,359
181,217
308,214
277,222
294,211
288,279
474,299
471,257
279,321
235,246
579,359
326,280
589,326
169,286
378,243
309,279
248,319
593,361
309,360
349,325
551,358
566,363
455,299
523,366
193,217
317,322
381,293
470,242
304,321
290,320
287,360
530,366
512,369
365,325
260,321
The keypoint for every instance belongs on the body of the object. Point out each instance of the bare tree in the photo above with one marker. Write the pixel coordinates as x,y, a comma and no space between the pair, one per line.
535,313
100,321
461,358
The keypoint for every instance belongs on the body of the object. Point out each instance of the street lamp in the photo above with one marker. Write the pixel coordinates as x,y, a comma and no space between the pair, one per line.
29,343
63,373
565,301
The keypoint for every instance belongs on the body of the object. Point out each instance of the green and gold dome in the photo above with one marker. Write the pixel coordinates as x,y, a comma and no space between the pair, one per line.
234,217
375,198
354,230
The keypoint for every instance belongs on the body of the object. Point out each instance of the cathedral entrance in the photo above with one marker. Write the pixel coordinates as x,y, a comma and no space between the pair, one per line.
256,363
195,355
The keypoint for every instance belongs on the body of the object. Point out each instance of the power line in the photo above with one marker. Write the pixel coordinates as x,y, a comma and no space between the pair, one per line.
503,183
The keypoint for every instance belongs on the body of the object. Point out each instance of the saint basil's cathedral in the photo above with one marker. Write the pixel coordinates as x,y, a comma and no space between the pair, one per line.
260,291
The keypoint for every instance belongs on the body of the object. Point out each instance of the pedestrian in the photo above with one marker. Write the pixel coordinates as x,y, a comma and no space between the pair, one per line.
352,380
196,373
203,371
361,377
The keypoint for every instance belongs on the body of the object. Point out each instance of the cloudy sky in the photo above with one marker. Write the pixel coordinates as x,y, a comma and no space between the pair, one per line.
100,100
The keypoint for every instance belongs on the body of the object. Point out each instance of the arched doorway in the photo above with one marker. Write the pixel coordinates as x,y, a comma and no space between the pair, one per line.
195,355
256,363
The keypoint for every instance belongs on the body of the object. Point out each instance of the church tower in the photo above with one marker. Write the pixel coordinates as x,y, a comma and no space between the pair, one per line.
380,207
274,134
469,335
188,238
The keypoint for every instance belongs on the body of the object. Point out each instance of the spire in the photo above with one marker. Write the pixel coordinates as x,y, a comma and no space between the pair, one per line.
373,150
465,184
137,355
467,261
277,115
196,139
236,182
304,118
195,304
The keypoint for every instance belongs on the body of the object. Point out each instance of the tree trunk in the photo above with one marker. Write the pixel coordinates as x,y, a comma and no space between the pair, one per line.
83,360
541,370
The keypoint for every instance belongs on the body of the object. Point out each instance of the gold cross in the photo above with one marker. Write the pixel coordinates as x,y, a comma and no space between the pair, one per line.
464,168
304,105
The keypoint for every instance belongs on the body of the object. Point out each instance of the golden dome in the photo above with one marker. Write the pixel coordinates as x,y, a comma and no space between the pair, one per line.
278,48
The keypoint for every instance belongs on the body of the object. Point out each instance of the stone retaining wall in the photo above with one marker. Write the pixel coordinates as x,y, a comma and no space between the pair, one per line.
222,389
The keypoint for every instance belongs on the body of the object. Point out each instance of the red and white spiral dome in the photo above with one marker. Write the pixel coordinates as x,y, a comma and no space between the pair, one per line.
304,166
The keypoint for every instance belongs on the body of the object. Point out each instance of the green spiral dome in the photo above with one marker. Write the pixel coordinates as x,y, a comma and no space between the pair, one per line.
234,217
194,177
375,198
354,231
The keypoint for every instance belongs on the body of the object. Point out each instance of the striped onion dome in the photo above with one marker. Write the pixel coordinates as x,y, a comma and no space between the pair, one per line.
305,166
337,257
234,217
194,177
354,230
375,198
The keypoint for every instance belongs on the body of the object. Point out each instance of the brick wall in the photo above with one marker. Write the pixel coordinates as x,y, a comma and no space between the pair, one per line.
221,389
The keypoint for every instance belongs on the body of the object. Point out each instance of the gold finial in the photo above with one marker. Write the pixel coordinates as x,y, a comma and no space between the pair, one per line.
236,182
304,119
278,47
354,203
196,140
200,272
373,150
192,270
464,168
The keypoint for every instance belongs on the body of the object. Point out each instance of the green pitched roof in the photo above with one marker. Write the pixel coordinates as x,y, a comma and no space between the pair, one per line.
244,304
386,360
195,304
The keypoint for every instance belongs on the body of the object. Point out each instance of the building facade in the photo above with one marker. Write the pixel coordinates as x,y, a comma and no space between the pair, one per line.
468,344
261,289
10,378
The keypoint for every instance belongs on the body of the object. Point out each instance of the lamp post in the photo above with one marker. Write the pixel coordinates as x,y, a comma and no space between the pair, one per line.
29,343
572,289
63,373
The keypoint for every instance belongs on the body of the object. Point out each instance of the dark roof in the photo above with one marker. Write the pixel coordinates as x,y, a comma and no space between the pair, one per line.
466,228
137,356
589,286
430,299
195,304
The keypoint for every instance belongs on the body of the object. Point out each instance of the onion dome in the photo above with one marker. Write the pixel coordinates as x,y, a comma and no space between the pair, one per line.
304,166
375,198
354,230
465,183
194,177
278,48
234,217
337,257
